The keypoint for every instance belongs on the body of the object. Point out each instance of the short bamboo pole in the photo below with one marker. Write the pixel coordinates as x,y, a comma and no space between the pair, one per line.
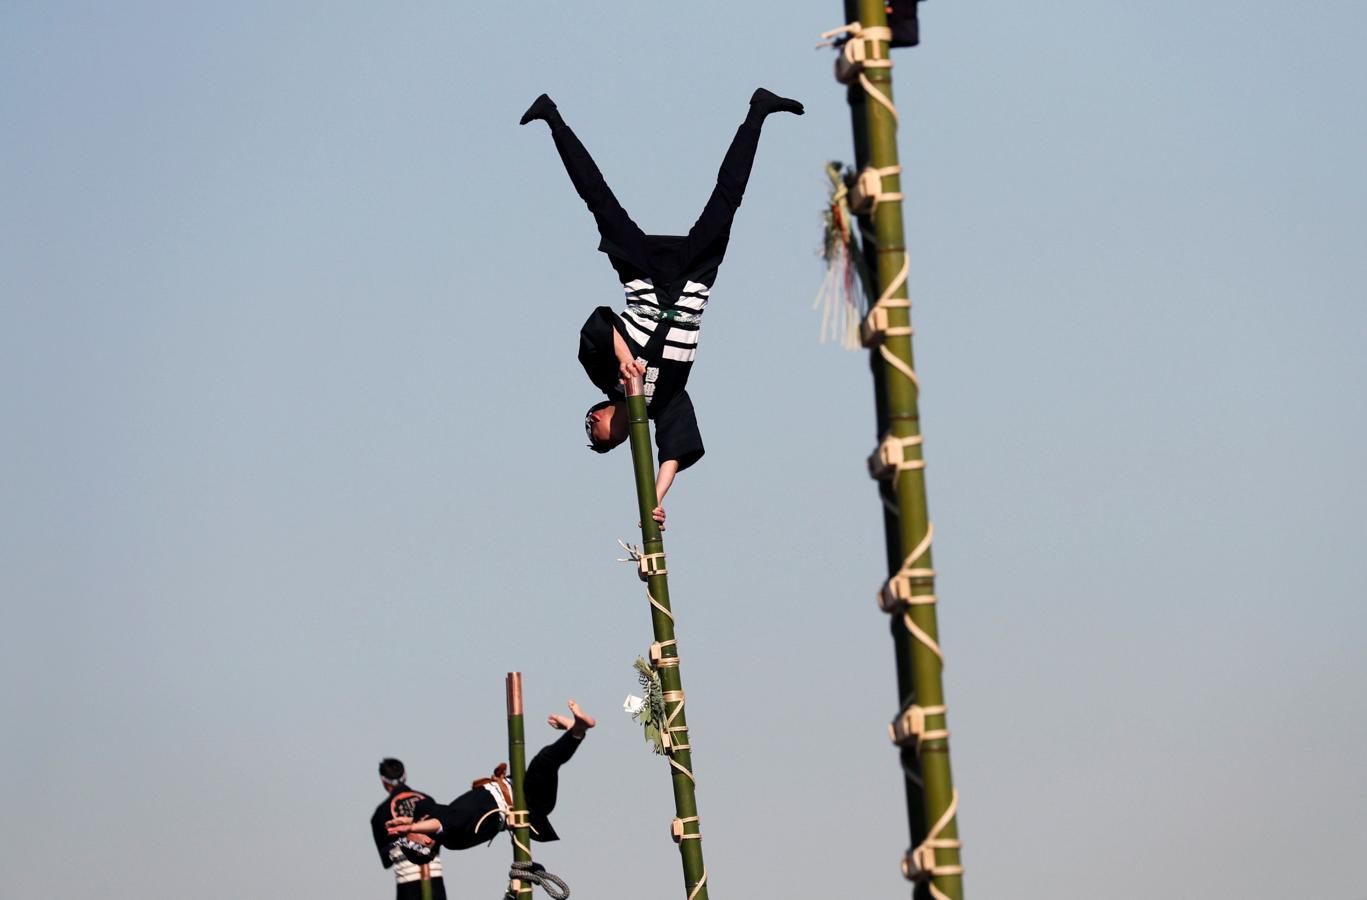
918,666
517,771
665,654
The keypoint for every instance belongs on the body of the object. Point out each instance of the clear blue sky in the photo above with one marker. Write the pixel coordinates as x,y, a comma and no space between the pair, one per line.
293,470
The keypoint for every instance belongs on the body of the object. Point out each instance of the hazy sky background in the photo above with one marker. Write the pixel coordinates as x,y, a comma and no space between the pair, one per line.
293,469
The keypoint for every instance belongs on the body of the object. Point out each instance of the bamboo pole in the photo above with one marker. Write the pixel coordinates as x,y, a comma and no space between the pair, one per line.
425,886
892,538
664,652
919,665
517,771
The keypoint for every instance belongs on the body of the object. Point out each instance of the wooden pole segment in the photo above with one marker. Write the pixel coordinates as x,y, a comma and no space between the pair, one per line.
517,771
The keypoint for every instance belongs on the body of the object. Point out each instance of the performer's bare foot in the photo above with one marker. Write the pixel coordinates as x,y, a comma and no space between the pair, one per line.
576,726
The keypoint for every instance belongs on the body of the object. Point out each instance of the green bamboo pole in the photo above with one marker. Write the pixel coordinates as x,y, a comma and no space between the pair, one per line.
892,538
517,770
425,887
918,665
664,653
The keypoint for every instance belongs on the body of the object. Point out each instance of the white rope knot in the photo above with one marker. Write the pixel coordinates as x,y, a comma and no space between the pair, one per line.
658,658
890,459
670,743
678,832
920,863
909,729
876,327
868,190
863,48
648,564
896,592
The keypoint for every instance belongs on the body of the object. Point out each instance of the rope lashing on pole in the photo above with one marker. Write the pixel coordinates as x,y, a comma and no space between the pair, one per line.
535,875
890,459
909,728
863,49
897,595
920,864
657,657
868,190
667,733
648,564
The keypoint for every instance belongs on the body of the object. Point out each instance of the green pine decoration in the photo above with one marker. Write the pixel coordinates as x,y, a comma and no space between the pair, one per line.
652,712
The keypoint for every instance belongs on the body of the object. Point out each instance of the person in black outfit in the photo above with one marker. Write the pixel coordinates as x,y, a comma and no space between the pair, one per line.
477,815
407,865
667,280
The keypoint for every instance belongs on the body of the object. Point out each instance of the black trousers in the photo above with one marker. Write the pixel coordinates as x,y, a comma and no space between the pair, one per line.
542,781
709,233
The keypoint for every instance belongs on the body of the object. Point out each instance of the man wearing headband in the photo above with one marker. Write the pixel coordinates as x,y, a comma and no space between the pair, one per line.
667,279
478,815
407,864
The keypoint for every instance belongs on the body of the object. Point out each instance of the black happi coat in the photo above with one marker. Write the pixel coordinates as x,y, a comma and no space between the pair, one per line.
667,281
389,810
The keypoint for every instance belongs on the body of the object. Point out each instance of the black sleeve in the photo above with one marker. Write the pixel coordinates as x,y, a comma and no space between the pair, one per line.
382,837
596,353
676,432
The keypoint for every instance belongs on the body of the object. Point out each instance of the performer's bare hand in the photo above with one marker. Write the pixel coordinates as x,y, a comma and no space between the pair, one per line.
630,368
658,514
400,825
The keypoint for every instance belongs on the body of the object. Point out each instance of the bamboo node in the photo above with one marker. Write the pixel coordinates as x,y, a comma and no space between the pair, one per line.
909,728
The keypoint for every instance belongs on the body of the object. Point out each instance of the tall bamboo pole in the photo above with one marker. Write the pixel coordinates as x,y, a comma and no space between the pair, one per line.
664,652
425,885
892,538
910,591
517,770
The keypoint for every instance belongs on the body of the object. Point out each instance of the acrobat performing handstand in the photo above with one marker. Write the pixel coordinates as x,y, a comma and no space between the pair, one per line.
667,280
477,815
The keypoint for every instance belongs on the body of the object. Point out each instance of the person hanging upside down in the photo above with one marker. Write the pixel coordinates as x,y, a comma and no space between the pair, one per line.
477,815
667,280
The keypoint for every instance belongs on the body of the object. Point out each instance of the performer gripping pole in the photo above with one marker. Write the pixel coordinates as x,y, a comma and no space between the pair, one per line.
490,806
668,280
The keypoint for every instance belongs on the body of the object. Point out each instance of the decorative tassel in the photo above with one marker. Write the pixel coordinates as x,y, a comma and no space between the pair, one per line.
843,295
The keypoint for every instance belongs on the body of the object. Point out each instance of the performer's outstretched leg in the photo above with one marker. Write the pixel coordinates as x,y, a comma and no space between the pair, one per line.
543,773
613,222
734,174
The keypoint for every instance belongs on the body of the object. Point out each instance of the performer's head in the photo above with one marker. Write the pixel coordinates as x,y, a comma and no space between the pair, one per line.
391,773
606,425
